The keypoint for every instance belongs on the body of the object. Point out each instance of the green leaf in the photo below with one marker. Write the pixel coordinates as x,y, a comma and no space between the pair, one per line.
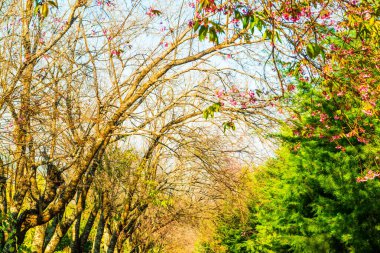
259,25
258,92
317,50
278,37
210,111
228,125
323,54
213,35
45,10
202,32
52,3
310,50
36,9
205,114
224,127
196,26
245,20
313,50
217,27
216,107
267,35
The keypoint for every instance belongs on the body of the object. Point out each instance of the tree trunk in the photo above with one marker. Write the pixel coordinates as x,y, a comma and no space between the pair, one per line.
39,239
87,229
3,200
49,232
59,232
99,234
106,237
113,241
75,246
120,242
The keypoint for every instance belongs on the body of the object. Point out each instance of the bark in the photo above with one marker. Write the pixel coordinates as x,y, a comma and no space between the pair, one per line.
53,182
75,246
90,159
99,234
49,232
3,188
3,199
39,239
106,237
87,229
113,241
63,227
120,242
59,233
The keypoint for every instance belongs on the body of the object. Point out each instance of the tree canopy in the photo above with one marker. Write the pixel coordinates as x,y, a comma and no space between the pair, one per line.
124,122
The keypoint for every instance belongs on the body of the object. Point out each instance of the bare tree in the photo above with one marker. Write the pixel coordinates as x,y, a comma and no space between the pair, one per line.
77,78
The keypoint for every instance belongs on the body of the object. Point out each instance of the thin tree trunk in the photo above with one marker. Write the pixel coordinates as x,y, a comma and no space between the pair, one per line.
3,199
3,189
87,229
106,237
120,242
75,246
113,241
99,234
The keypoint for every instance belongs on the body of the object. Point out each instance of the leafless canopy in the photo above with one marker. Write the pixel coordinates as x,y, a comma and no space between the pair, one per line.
93,76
